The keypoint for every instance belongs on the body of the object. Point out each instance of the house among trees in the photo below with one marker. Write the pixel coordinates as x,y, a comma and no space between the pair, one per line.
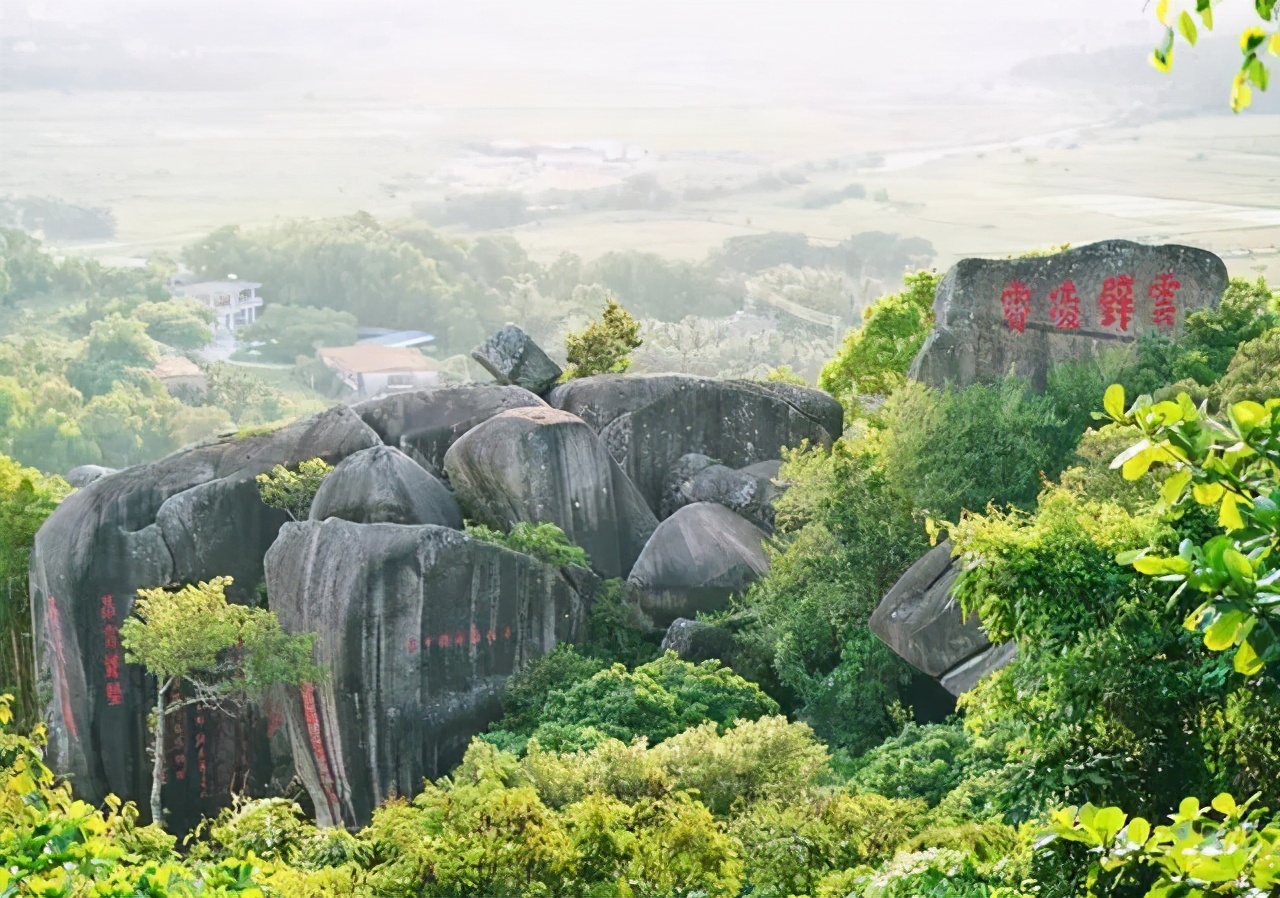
180,376
369,369
234,303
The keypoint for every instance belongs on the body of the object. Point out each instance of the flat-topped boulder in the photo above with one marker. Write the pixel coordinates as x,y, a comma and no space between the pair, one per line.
996,316
512,357
383,485
191,516
649,422
543,464
696,560
419,628
425,423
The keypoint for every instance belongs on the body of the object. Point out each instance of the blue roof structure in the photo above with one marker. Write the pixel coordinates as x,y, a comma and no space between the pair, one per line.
401,338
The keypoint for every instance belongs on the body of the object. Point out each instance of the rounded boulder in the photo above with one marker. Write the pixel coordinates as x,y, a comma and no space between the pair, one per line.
382,485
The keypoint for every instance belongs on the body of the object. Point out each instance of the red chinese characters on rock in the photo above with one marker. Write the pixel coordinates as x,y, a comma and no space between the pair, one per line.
201,764
1115,303
1163,290
1015,303
111,651
1064,306
178,755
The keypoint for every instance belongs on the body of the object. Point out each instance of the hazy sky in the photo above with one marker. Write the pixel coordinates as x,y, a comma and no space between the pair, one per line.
882,41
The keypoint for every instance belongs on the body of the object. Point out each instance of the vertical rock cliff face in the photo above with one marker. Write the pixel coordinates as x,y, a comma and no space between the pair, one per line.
191,516
420,626
541,464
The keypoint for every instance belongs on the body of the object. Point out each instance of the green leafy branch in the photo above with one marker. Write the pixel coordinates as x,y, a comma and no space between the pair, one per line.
1232,465
1254,40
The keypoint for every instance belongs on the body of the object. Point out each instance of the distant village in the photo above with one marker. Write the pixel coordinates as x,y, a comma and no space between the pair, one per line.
380,362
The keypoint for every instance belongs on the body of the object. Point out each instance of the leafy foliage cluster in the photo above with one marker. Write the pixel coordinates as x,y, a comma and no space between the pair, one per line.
544,541
605,346
27,498
293,491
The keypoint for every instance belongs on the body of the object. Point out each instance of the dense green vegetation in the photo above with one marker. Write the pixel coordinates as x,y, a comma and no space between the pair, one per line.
1139,594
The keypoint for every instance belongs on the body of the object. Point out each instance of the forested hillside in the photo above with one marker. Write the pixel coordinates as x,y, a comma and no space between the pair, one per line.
810,762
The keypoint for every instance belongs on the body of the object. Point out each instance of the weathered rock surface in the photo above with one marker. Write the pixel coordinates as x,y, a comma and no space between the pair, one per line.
87,474
512,357
542,464
1027,315
696,560
749,491
420,627
425,423
697,641
191,516
650,422
922,622
383,485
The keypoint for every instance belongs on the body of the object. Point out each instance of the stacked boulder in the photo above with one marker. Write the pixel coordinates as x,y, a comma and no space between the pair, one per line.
667,481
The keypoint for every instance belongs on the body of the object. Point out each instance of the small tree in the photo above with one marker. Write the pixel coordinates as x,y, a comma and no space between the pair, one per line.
293,491
227,654
605,346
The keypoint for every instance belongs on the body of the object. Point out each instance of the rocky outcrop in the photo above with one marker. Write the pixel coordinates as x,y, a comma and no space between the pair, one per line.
191,516
697,641
541,464
1027,315
749,491
425,423
696,560
650,422
512,357
87,474
922,622
383,485
420,627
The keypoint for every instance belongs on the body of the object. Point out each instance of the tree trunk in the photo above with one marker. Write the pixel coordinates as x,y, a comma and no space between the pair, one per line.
157,750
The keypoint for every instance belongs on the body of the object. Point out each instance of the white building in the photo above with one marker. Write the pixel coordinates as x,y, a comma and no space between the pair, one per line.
234,303
369,369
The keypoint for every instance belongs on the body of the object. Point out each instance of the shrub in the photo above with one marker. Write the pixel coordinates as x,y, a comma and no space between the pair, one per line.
293,491
545,541
605,346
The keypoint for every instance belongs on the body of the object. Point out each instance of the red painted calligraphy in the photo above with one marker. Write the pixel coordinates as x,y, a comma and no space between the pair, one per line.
1164,313
53,635
506,632
111,645
475,635
444,641
1115,304
1015,302
1064,306
314,736
413,645
491,636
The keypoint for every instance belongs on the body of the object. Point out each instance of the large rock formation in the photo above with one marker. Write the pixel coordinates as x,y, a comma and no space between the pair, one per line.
1026,315
512,357
922,622
541,464
749,491
649,422
420,627
425,423
87,474
191,516
383,485
696,560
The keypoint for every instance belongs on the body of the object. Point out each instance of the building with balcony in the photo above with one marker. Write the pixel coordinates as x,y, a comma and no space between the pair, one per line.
234,303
